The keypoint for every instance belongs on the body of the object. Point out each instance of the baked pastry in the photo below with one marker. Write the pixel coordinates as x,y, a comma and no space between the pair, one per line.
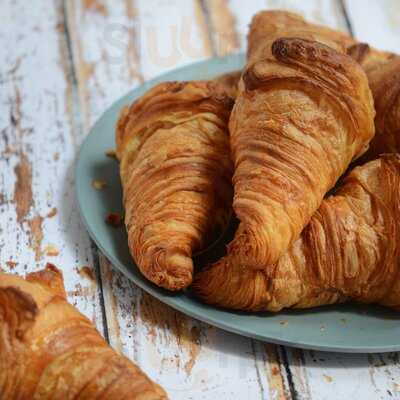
382,69
230,82
350,251
278,24
48,350
303,112
176,171
383,72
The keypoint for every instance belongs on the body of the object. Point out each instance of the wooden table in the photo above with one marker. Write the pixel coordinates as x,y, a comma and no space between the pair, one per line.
62,65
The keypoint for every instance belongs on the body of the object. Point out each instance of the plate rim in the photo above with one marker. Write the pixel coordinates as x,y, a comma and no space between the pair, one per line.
156,292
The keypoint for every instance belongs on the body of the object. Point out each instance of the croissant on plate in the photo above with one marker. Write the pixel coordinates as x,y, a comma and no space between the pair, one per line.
278,24
349,251
303,112
230,82
173,147
382,69
48,350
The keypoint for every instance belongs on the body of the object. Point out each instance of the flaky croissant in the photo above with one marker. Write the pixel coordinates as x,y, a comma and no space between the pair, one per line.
303,112
382,69
350,251
48,350
230,81
176,171
278,24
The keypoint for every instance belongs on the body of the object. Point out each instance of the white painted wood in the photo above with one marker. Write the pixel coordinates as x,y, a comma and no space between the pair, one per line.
340,376
171,34
376,22
39,138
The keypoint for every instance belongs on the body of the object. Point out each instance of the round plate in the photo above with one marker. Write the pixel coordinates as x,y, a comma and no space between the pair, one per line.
347,328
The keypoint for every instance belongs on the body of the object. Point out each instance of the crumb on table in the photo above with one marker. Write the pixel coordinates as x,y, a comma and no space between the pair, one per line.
114,219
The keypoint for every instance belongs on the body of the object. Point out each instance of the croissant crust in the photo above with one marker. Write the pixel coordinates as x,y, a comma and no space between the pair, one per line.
382,69
303,113
348,251
176,174
48,350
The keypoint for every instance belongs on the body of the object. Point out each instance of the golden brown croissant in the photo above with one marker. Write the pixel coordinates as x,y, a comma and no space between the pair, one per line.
350,250
278,24
274,23
303,112
173,145
230,82
383,71
48,350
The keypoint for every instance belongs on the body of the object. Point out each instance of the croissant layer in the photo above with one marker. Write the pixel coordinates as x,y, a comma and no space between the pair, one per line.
382,69
348,252
303,112
48,350
173,145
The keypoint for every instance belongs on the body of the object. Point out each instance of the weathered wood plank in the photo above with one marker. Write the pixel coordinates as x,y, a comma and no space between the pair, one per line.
222,25
39,221
190,359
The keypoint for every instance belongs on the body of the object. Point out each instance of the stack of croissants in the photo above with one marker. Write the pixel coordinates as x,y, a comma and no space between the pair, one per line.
300,147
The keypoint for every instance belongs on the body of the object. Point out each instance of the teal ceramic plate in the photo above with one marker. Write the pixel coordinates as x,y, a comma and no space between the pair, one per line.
343,328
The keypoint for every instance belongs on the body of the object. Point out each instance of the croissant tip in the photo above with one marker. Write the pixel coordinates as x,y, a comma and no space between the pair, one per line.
171,282
168,269
51,277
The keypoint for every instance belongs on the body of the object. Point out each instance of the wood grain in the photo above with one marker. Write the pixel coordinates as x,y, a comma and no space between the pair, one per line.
39,135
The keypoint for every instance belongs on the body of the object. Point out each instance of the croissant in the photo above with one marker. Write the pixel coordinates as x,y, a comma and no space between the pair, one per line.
278,24
350,251
173,147
48,350
383,72
382,69
303,112
230,81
